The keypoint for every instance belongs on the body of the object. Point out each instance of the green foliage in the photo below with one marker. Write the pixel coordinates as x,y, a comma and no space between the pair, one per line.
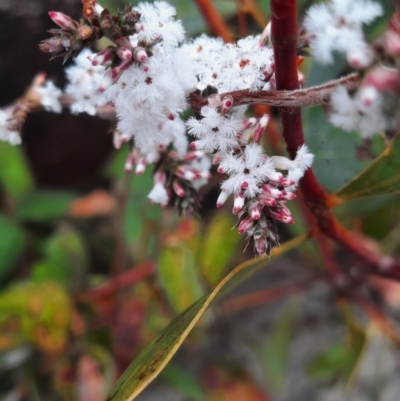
381,177
11,246
153,358
178,276
65,260
218,248
44,206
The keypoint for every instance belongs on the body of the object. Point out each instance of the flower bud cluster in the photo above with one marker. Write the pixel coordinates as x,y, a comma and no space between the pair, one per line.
337,25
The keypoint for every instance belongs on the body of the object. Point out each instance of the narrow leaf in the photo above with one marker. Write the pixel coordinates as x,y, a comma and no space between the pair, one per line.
381,177
152,360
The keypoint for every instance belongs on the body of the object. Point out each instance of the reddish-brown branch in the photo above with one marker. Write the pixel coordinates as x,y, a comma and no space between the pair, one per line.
214,20
284,39
264,296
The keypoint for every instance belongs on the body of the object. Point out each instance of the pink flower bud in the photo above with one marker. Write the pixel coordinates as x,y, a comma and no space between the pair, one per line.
141,166
282,214
178,188
249,122
260,127
368,95
261,245
139,27
287,195
360,58
124,53
217,158
285,182
129,163
159,177
275,176
245,224
197,154
383,79
139,53
119,69
238,204
244,185
266,200
393,43
193,145
223,196
220,170
63,20
227,103
186,173
106,82
270,191
117,139
104,58
255,211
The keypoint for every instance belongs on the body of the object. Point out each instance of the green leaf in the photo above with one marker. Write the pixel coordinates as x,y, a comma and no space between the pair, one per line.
43,206
14,172
329,362
178,276
275,352
184,382
219,246
11,246
152,360
65,260
381,177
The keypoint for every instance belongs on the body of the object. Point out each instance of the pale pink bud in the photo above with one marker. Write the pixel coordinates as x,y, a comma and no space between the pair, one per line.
197,154
125,138
278,215
261,245
301,77
245,224
63,20
105,57
368,95
255,211
275,193
159,177
139,27
223,196
186,173
260,127
285,182
220,170
393,42
227,103
275,176
360,58
238,204
117,139
266,200
178,188
141,166
119,69
106,82
129,163
383,79
193,145
287,195
214,100
217,158
139,53
124,53
249,122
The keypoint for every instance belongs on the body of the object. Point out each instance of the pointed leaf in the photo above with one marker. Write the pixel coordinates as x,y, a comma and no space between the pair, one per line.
152,360
219,247
381,177
178,275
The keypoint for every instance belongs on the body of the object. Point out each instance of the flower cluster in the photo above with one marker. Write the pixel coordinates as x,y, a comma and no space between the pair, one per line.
146,75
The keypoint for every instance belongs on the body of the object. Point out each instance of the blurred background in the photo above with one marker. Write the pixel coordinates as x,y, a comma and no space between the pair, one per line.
90,271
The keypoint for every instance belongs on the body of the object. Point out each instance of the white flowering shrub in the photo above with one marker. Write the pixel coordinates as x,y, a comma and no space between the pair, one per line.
183,108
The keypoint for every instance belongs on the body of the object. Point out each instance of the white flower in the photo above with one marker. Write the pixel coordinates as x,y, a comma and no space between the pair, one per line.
248,171
214,131
12,137
159,194
84,82
49,97
158,22
337,25
353,114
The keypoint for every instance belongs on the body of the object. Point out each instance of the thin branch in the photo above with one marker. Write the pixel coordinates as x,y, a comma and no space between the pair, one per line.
316,95
214,20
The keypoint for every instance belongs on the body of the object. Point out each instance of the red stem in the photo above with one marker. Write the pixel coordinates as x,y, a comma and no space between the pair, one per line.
284,39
